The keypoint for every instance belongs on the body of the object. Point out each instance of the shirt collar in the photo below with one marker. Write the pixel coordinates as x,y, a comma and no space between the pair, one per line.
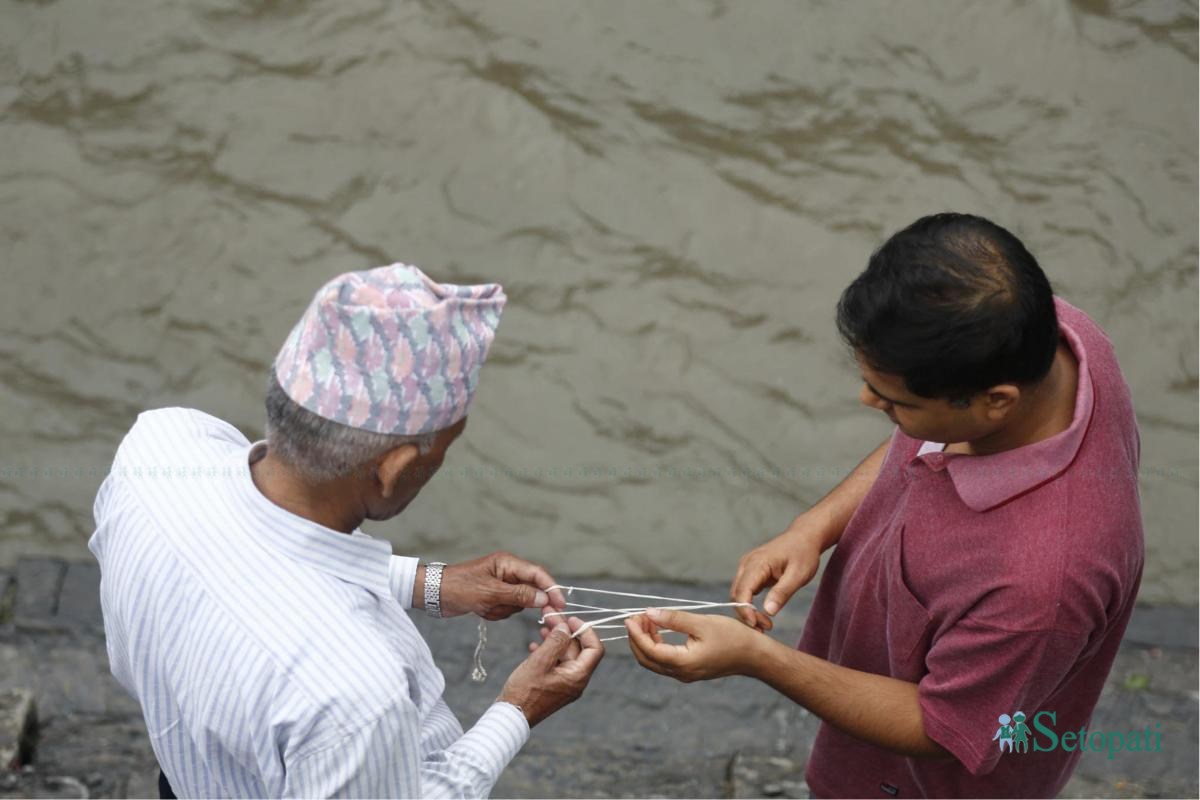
354,557
984,482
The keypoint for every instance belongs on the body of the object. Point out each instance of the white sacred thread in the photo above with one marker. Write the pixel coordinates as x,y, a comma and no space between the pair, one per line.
623,613
479,674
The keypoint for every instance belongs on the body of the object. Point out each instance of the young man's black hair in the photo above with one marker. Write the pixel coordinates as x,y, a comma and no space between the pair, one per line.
954,304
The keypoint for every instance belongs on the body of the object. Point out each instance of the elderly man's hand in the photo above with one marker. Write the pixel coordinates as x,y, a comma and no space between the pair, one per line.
716,646
556,673
497,586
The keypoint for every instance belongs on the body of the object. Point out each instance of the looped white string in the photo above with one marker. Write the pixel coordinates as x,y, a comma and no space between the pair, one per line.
611,622
478,673
573,589
604,623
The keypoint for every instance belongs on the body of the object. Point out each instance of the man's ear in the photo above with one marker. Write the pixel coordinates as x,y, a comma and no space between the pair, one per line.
392,466
1001,399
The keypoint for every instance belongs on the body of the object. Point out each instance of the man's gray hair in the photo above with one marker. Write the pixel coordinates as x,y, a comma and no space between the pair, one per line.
321,449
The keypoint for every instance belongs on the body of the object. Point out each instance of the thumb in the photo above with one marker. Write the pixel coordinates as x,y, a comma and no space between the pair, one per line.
784,588
553,647
522,595
674,620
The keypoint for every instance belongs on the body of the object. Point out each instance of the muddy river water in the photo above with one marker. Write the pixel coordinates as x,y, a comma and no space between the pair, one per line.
672,193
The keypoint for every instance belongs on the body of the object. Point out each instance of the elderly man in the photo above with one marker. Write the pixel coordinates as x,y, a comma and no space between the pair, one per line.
987,556
263,633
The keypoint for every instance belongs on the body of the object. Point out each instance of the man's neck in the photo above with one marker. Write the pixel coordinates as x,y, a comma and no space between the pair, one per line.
1050,411
323,504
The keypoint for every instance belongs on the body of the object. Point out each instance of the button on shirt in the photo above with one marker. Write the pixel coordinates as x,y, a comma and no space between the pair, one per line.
997,584
272,656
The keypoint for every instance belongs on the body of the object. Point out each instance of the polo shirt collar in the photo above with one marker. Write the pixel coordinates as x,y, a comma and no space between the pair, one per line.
354,557
984,482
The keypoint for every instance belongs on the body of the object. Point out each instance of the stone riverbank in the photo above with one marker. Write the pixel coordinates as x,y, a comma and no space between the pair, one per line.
633,734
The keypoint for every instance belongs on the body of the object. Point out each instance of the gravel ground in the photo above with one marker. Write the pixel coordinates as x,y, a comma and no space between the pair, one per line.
633,734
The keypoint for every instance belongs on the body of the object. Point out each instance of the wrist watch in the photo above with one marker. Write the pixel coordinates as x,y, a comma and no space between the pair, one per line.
433,588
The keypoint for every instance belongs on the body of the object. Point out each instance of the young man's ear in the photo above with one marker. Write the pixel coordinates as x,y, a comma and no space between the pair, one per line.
392,466
1001,399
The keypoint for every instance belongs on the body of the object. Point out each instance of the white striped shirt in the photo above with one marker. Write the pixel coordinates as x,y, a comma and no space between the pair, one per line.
272,656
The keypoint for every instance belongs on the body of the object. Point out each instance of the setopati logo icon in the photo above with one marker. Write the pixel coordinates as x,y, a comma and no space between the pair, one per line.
1012,733
1015,736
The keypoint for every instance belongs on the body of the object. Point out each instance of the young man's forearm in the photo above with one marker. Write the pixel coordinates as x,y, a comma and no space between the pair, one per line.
879,710
833,511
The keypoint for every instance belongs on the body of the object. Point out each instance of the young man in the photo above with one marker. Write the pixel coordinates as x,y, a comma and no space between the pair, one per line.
263,633
987,556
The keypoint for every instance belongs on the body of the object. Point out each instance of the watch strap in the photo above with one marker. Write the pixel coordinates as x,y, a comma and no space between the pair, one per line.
433,588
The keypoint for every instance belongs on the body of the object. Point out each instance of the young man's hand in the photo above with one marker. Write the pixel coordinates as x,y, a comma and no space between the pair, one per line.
785,563
790,560
717,646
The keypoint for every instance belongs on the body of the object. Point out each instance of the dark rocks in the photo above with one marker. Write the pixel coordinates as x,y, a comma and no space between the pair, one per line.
18,728
38,583
753,775
632,734
1163,626
30,783
8,594
79,599
57,595
109,754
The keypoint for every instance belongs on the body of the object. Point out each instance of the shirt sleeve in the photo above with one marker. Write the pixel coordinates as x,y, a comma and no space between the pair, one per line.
384,758
402,577
100,504
978,672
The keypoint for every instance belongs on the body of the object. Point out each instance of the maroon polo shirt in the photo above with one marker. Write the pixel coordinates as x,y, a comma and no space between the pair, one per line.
997,584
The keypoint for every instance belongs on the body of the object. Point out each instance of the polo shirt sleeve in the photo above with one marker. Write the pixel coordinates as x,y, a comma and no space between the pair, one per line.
978,672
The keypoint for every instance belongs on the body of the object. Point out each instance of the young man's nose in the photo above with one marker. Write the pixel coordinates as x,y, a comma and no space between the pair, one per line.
872,400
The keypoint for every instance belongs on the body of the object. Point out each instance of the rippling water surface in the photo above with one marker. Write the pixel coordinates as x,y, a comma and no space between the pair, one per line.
673,195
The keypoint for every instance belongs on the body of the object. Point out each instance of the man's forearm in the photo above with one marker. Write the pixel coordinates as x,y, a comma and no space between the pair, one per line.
833,511
875,708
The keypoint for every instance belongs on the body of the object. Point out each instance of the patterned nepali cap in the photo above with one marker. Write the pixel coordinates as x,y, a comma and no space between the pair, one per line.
389,350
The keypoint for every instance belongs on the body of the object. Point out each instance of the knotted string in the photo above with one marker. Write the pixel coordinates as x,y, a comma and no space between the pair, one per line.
624,613
479,674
